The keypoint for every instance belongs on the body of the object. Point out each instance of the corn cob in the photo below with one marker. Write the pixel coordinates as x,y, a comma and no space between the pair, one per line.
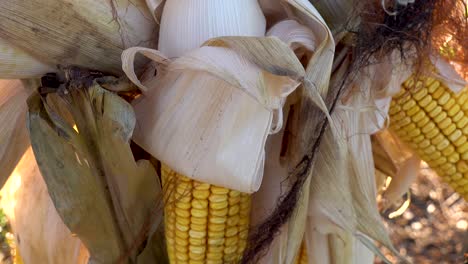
433,121
203,223
302,256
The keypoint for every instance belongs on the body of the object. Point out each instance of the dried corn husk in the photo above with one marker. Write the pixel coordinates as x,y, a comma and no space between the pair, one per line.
446,72
340,15
309,37
41,236
107,198
343,198
13,133
199,20
401,163
273,10
89,33
307,119
15,63
214,130
402,180
246,89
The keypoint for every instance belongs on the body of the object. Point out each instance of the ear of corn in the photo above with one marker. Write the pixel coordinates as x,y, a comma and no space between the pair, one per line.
204,223
433,121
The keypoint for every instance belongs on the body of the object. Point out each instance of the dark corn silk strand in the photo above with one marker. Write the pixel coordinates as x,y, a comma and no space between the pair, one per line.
204,223
433,121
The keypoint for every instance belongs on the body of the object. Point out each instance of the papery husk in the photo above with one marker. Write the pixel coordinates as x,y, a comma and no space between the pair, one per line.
275,181
343,195
107,199
274,11
446,73
315,91
300,38
340,15
155,8
383,163
336,247
13,133
185,25
16,64
88,33
317,247
203,136
346,167
40,234
405,162
343,188
307,121
402,180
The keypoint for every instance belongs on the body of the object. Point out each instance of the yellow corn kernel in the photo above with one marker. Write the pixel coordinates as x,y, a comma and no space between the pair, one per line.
432,120
425,101
433,86
444,99
449,104
204,223
420,94
440,117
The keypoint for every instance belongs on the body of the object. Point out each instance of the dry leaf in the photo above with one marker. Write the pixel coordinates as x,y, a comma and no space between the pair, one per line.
14,138
16,64
224,133
45,239
106,198
88,33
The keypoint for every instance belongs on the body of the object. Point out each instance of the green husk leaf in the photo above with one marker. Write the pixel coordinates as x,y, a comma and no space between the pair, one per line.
106,198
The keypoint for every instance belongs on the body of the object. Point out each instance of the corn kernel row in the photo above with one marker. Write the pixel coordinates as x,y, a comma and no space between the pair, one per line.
204,223
433,121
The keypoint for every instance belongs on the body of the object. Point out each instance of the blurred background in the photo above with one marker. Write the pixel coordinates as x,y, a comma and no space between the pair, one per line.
431,226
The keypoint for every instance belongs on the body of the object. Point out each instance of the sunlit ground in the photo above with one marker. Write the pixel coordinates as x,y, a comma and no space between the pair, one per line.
434,228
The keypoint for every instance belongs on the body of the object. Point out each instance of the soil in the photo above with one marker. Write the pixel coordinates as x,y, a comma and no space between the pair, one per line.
434,228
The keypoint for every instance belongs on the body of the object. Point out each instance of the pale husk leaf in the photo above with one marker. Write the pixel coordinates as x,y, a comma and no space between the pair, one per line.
318,250
268,53
13,133
155,8
308,122
340,15
402,180
331,197
316,89
86,33
45,239
274,11
307,119
295,35
384,165
238,71
361,165
274,183
343,191
107,198
16,64
185,25
227,128
446,73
